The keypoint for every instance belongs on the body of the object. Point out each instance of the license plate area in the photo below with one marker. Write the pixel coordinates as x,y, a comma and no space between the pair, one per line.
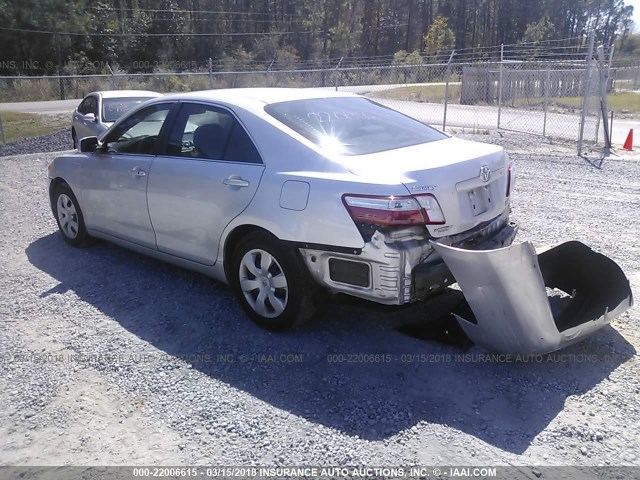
479,200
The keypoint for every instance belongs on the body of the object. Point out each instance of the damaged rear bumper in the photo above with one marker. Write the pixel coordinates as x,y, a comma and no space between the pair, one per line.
510,310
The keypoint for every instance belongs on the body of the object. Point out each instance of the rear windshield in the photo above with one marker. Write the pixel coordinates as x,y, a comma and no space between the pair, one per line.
114,108
351,125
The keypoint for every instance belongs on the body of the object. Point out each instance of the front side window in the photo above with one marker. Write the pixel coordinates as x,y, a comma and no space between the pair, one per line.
114,108
211,133
352,125
82,108
139,133
88,105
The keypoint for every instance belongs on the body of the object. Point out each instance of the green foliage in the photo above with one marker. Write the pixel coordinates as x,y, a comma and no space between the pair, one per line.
629,46
236,59
172,35
439,36
344,40
539,31
402,57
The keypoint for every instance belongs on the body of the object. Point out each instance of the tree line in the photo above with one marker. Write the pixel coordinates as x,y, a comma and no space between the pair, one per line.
83,36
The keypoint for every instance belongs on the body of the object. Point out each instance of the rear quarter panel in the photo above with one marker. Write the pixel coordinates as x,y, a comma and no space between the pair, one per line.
289,157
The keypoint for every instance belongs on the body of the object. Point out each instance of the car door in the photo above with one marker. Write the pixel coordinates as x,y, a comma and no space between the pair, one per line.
79,122
115,178
207,176
88,127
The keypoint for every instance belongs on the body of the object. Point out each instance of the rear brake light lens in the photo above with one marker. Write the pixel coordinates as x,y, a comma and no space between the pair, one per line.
394,211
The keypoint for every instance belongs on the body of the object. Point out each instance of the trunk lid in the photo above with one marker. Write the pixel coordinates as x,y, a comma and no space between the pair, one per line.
468,179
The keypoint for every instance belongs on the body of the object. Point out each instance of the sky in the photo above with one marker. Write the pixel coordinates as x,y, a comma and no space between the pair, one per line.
636,12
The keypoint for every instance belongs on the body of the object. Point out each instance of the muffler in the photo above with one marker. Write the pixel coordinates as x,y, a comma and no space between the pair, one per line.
510,309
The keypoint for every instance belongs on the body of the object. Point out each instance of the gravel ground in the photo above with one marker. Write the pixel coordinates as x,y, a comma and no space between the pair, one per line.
53,142
108,357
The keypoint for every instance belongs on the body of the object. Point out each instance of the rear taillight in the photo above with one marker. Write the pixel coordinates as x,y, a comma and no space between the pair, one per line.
431,208
509,170
394,211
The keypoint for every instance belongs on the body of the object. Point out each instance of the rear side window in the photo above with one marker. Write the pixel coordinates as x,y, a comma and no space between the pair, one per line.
351,125
210,133
240,147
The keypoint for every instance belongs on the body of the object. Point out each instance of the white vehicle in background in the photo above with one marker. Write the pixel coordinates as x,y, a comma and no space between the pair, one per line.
99,110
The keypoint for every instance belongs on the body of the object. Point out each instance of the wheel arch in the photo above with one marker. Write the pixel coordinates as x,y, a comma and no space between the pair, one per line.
233,238
55,183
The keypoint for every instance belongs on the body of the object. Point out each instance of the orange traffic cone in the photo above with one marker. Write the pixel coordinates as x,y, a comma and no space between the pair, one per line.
628,144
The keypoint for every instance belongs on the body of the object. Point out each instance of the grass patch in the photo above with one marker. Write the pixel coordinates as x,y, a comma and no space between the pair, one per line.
17,126
424,93
619,101
628,101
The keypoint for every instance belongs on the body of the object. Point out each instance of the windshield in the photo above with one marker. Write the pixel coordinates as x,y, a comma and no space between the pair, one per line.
352,125
114,108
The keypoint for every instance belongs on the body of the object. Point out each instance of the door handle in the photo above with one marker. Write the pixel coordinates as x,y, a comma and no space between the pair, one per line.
236,181
138,172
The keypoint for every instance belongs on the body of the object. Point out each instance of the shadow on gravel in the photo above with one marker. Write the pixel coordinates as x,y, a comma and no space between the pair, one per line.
349,370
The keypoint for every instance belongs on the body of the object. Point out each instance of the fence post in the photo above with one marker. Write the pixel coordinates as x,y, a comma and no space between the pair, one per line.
61,81
587,89
337,73
604,100
546,101
269,71
446,90
611,50
210,73
500,83
113,78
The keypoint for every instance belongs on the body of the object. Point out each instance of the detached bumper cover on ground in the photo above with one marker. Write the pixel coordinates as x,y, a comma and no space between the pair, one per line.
510,309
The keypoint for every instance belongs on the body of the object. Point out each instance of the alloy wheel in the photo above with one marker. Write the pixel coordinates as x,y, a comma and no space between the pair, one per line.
263,283
67,216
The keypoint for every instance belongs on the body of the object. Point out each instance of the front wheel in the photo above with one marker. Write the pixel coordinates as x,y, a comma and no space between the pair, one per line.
272,283
69,217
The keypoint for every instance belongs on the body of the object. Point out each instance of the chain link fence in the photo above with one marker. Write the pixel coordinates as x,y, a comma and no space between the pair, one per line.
626,78
553,91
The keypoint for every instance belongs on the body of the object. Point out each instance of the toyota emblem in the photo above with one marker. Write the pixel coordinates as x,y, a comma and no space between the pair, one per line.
485,173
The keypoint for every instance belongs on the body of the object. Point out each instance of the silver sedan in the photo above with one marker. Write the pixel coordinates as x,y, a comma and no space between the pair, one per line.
283,192
286,194
99,110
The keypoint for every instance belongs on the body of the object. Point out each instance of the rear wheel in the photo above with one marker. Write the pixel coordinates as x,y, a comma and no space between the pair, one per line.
272,283
69,217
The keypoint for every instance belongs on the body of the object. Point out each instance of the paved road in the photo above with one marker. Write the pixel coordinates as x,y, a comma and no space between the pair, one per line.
54,106
559,125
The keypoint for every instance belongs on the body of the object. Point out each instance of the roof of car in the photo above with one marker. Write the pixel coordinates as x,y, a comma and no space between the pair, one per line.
127,93
260,95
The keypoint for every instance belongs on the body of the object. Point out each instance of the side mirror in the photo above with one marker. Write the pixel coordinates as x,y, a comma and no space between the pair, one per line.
89,144
90,117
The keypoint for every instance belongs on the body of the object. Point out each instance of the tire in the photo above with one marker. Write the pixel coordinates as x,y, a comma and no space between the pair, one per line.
69,217
74,137
272,283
